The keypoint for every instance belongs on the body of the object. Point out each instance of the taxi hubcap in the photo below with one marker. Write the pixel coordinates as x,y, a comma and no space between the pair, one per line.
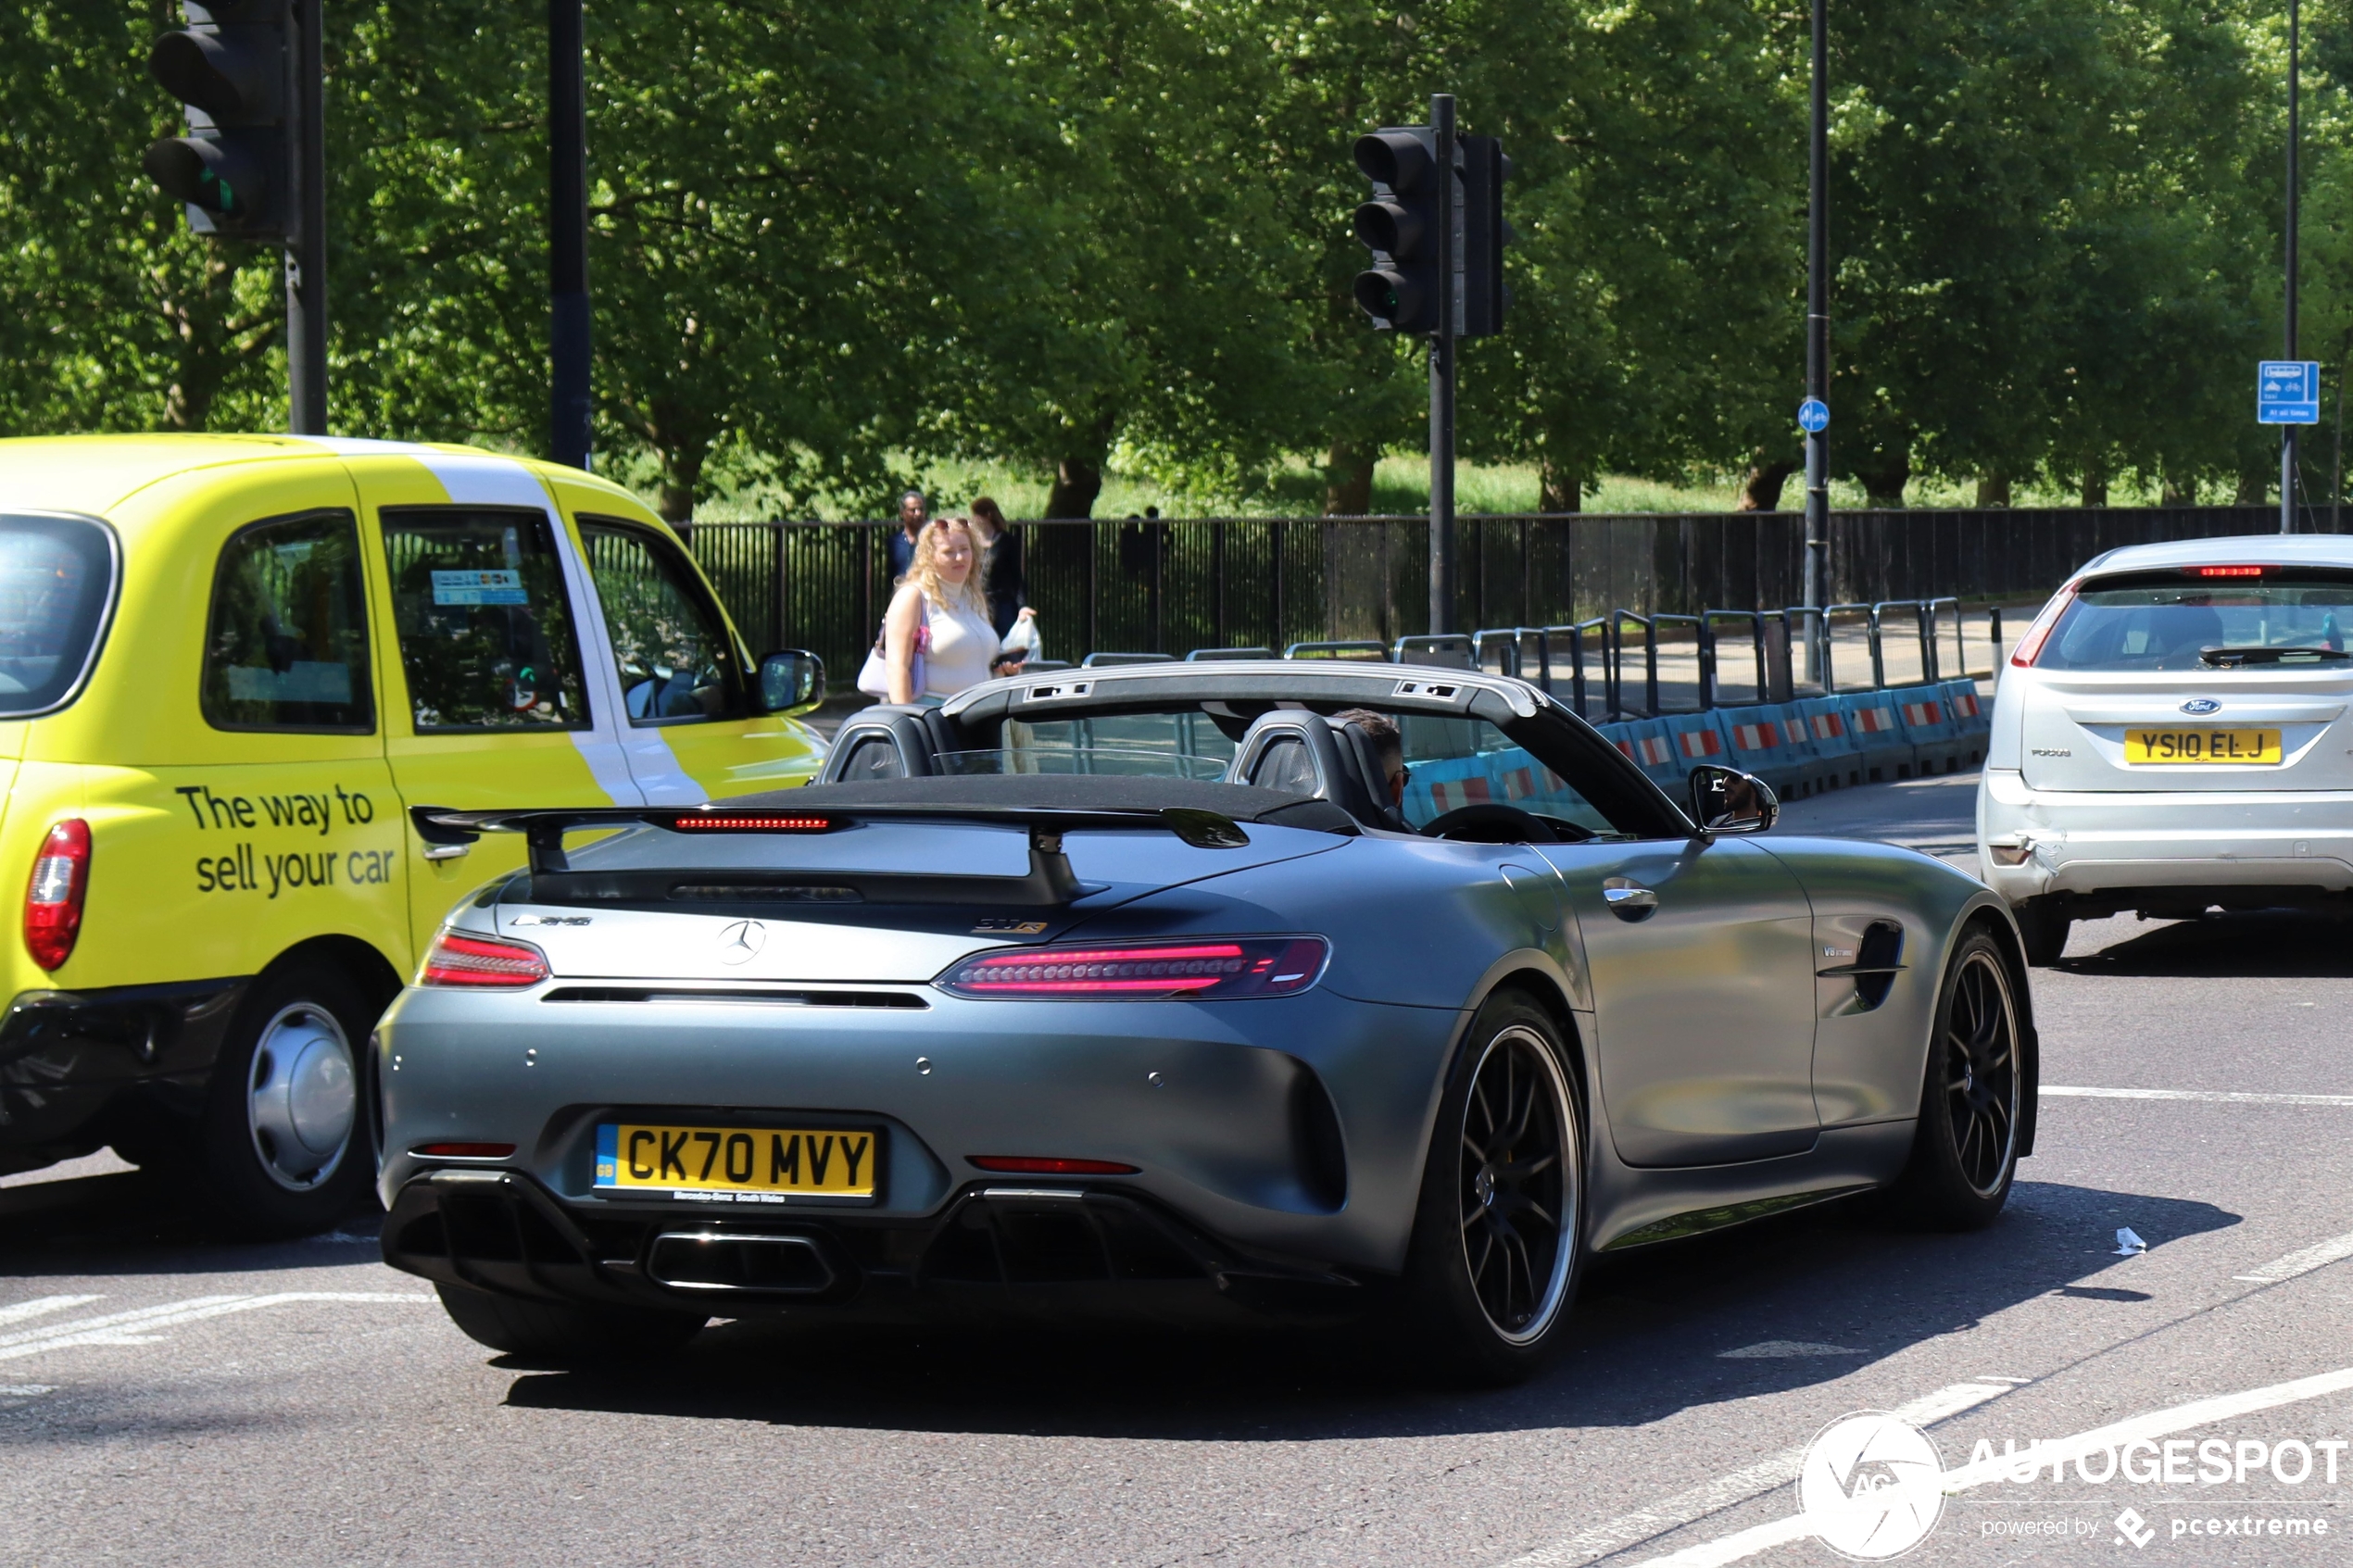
302,1097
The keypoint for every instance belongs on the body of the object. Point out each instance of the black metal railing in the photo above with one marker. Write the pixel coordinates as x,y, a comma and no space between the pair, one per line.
1172,585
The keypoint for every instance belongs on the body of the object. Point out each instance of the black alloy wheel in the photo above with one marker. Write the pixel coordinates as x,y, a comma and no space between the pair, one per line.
1498,1236
1964,1152
1514,1189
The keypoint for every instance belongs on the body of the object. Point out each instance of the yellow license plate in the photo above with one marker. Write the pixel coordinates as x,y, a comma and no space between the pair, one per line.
743,1164
2244,747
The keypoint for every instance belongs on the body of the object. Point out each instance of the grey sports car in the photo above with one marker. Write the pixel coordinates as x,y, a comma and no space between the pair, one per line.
1189,990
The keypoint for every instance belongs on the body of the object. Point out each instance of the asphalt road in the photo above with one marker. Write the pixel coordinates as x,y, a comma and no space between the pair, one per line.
168,1399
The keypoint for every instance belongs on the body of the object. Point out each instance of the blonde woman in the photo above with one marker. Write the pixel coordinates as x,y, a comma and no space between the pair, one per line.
938,613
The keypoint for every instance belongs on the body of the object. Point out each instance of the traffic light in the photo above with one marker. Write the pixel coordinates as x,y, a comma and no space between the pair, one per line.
1485,233
1403,291
233,68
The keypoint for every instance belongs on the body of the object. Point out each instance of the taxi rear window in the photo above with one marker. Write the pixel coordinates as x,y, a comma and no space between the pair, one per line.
57,580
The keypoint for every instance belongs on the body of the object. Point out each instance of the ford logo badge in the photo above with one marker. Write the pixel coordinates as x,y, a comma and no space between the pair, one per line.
2201,705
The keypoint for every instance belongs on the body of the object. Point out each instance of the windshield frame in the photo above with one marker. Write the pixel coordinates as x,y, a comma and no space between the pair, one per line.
100,628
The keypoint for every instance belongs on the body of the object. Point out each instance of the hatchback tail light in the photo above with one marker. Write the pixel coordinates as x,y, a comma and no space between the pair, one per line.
2029,647
53,898
1200,969
455,959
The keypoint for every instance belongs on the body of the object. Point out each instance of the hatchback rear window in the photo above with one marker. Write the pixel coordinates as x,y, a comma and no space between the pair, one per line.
2183,621
57,579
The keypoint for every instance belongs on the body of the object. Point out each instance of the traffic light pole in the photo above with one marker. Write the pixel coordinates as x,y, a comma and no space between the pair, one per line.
1442,379
2287,432
1817,349
306,256
568,336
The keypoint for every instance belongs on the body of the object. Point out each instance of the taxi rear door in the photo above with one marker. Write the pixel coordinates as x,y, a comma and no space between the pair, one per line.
487,640
681,676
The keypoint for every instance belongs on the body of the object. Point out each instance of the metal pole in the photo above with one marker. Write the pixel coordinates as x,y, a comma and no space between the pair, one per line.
1817,346
568,340
1441,377
2287,433
307,257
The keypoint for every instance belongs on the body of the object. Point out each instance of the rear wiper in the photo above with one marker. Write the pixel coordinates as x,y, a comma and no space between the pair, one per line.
2232,658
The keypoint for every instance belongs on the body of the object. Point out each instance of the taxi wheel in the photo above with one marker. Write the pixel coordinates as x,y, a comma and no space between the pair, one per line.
559,1332
1500,1230
2042,928
284,1148
1965,1151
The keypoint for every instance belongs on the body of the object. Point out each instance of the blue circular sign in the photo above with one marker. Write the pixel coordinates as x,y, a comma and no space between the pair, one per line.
1813,414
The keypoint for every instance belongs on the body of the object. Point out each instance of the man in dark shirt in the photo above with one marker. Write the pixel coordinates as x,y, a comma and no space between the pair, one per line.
913,511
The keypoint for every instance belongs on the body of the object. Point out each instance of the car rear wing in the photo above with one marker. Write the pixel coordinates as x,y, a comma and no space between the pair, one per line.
1049,882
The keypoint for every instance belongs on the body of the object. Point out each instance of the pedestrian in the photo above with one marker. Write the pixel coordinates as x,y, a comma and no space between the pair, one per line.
913,509
936,638
1002,582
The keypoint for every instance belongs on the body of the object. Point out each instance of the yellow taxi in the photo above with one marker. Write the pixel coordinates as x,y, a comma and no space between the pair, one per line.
232,670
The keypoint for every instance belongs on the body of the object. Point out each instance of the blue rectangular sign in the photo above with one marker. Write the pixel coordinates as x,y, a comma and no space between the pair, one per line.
2287,392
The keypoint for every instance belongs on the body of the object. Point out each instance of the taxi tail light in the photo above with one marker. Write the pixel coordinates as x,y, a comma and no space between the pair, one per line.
455,959
2029,647
54,895
1198,968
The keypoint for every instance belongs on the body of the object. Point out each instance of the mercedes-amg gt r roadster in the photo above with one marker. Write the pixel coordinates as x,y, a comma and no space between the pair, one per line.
1188,990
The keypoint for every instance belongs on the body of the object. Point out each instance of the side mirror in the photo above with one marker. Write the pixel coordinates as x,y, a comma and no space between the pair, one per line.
791,681
1727,801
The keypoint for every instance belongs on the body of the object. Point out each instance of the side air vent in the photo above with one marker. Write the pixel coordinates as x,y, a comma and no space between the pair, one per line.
1878,960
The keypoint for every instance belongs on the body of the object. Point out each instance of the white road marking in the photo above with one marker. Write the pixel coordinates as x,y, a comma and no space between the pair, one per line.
1741,1486
133,1328
1783,1349
2212,1096
2301,1263
25,1390
2133,1429
41,1306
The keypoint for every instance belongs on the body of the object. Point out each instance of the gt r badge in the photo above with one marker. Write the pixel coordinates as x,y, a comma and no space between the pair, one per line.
2201,705
741,941
1009,928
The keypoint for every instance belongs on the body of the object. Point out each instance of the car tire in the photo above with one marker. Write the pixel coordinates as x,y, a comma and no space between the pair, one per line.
2042,928
286,1148
1965,1143
559,1330
1499,1232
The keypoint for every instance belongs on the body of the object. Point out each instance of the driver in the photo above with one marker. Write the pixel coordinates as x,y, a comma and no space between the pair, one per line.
1387,743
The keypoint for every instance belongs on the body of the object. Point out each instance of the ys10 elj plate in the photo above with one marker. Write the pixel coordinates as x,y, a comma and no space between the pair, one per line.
2202,746
737,1164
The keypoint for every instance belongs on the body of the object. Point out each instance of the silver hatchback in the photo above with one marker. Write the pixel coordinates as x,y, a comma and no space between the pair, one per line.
2171,737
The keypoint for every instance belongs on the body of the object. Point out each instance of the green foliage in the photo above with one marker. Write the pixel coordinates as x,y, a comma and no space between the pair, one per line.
1106,242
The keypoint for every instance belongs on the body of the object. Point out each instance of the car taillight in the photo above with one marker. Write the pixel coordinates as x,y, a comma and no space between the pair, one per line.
2230,572
2029,647
53,898
455,959
1202,969
1048,1165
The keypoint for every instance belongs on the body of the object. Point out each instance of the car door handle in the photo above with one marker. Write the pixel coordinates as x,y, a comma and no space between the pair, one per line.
446,851
1628,900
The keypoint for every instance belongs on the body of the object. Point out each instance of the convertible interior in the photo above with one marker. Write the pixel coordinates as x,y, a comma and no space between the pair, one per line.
1465,777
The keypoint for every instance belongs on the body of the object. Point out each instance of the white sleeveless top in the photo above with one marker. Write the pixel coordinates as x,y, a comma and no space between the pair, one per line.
964,645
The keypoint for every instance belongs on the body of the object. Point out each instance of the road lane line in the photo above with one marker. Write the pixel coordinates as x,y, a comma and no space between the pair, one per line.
135,1327
1741,1486
41,1306
2212,1096
2115,1434
2301,1263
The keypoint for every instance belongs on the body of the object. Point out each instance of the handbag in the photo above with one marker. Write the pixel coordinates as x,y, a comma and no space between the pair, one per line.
874,676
